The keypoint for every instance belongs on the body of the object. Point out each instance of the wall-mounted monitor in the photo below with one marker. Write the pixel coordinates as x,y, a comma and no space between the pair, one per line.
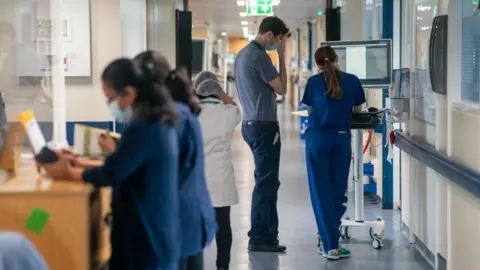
198,55
369,60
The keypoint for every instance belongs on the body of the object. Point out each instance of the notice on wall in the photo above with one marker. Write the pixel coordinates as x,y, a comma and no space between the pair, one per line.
35,55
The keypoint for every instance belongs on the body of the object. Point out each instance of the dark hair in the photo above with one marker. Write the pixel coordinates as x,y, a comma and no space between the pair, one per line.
176,81
152,102
275,25
325,57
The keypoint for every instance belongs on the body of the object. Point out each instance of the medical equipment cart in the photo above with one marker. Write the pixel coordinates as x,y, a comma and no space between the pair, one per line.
359,122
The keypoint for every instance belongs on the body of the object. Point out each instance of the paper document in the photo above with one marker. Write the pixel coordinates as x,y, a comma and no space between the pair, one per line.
33,131
300,113
85,140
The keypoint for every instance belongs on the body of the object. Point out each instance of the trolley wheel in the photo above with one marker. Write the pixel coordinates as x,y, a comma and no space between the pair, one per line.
345,232
377,243
373,235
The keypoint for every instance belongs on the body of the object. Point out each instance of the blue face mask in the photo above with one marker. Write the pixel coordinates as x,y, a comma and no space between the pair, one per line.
120,116
271,47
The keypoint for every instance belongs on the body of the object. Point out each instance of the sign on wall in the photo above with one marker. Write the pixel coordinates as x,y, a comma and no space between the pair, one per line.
259,7
34,50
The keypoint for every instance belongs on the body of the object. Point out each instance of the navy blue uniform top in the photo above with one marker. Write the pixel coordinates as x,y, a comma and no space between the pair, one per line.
327,113
253,71
143,173
197,216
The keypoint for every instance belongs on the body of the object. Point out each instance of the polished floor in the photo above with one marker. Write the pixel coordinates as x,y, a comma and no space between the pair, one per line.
297,225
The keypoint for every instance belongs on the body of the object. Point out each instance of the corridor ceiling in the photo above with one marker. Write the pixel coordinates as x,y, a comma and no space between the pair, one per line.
224,15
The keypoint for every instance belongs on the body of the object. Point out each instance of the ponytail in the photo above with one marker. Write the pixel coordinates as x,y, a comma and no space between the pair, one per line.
180,89
332,76
175,81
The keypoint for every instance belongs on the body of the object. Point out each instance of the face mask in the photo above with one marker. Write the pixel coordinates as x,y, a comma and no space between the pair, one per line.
271,47
120,116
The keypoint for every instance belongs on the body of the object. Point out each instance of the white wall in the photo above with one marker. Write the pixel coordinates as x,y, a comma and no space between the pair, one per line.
463,210
134,26
352,19
85,100
161,27
445,217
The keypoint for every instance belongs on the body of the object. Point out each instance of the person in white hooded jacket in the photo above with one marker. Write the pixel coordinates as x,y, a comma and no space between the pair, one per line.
218,119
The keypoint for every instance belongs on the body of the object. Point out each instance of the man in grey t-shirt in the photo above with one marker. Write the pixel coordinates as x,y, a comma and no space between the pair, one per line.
258,82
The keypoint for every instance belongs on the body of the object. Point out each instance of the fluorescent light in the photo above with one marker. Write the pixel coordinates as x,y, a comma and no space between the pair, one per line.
241,3
275,2
224,34
243,14
244,23
245,29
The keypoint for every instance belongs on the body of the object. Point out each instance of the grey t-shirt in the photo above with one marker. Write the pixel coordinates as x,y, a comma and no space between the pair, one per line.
253,70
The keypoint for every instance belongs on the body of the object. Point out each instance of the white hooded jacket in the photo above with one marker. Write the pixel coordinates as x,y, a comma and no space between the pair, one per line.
218,122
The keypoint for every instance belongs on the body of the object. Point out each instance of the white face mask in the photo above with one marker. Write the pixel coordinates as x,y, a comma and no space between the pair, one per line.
118,113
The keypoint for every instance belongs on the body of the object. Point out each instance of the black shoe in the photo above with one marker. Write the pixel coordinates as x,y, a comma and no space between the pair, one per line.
267,248
222,268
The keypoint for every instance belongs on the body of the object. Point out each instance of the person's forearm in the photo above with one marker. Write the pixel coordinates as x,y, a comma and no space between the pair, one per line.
76,173
283,74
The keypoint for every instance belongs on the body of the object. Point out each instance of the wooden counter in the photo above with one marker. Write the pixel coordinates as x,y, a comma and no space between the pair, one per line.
74,237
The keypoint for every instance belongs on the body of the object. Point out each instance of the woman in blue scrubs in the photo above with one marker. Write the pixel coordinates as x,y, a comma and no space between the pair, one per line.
331,96
197,216
142,171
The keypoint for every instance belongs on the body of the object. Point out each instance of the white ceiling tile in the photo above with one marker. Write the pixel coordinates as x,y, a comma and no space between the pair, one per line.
224,15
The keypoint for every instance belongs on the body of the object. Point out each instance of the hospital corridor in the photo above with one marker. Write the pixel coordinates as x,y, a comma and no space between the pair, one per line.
297,222
239,134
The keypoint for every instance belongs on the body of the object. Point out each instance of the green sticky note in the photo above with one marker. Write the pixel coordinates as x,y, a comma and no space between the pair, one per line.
37,220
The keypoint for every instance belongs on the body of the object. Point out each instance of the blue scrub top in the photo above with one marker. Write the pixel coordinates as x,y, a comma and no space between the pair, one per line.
143,173
197,216
327,113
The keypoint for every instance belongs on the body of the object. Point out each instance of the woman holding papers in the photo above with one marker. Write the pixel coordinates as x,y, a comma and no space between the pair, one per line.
198,225
142,171
330,96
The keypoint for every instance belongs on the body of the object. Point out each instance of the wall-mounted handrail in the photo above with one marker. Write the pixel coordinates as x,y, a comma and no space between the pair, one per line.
458,173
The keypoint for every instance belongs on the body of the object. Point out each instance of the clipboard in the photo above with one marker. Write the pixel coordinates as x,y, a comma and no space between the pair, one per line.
85,140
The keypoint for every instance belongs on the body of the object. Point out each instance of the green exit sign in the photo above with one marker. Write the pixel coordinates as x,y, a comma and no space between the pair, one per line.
259,10
475,2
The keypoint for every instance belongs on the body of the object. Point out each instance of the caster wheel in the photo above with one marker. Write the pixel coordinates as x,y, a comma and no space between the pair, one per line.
346,233
377,243
373,235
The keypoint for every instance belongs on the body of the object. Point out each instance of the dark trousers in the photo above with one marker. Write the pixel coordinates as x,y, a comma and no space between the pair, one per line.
194,262
223,236
264,141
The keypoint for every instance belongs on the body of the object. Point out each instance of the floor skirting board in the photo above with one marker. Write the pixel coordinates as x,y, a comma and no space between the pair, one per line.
438,262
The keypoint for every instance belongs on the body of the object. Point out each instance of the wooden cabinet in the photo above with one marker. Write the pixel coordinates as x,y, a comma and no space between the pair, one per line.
74,237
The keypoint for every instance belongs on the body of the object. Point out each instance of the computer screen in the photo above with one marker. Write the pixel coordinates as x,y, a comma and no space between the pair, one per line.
369,60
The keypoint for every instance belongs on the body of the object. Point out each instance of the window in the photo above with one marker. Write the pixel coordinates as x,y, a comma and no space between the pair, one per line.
470,66
423,96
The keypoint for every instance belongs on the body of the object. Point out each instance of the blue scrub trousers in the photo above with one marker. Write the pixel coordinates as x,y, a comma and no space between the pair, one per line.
263,138
328,156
